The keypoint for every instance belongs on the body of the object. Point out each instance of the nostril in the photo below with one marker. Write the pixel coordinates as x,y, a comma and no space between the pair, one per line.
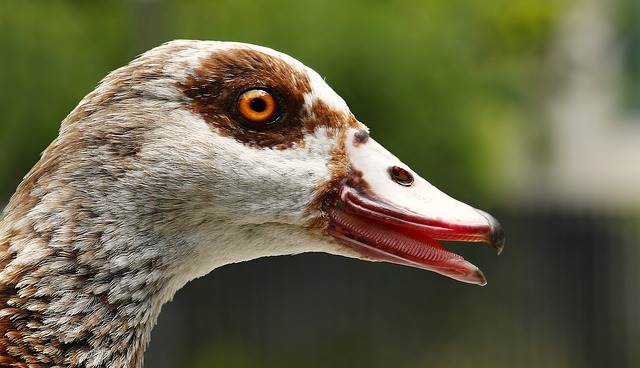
401,176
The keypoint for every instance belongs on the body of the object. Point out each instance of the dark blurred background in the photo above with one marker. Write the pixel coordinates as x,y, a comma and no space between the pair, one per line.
529,109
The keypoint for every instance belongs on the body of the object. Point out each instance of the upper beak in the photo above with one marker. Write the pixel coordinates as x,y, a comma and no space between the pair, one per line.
386,212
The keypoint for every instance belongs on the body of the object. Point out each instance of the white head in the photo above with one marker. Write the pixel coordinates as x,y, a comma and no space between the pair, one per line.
195,155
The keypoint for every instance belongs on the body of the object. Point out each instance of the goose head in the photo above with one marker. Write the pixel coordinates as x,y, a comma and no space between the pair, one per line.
196,155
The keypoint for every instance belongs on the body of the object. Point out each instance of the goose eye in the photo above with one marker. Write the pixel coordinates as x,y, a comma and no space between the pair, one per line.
258,106
401,176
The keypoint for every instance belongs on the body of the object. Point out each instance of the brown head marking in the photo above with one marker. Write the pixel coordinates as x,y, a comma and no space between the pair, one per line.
213,91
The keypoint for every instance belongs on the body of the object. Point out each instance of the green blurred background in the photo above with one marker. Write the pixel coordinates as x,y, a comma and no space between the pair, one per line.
529,109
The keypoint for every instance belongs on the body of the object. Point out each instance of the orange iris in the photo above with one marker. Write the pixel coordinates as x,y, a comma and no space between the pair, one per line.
257,106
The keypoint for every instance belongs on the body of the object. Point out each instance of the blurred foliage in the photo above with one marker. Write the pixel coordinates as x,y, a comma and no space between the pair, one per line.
441,83
626,16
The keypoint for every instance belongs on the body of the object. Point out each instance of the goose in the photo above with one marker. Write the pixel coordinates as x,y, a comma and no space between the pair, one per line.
195,155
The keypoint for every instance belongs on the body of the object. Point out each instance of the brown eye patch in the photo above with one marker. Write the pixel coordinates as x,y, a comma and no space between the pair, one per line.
217,91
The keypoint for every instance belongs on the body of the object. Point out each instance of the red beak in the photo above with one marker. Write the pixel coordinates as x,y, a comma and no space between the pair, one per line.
385,212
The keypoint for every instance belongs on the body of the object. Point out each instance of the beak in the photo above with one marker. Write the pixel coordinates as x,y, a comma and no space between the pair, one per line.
386,212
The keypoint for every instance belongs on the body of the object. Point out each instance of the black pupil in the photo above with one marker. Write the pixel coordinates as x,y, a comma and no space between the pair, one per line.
258,105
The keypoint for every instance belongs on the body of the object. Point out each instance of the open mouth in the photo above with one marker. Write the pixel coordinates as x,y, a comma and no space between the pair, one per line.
385,212
379,230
